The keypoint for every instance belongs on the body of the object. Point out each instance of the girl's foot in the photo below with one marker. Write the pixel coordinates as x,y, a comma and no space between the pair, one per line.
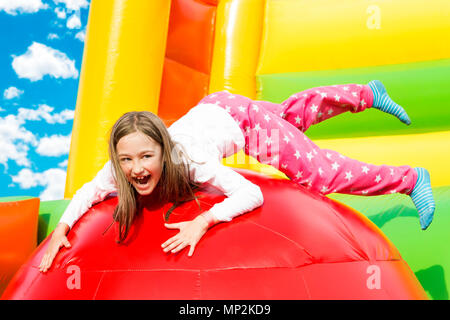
422,197
383,102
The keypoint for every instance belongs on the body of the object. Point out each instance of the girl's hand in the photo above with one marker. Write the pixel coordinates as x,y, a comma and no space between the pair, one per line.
56,242
190,234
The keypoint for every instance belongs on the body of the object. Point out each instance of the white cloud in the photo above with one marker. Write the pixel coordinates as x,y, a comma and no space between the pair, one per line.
52,179
14,151
52,36
54,146
73,5
14,7
63,164
44,112
12,92
15,141
60,13
81,35
56,183
40,60
74,22
26,179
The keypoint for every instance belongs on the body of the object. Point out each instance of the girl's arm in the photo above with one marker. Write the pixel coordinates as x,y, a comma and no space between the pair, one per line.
242,196
89,194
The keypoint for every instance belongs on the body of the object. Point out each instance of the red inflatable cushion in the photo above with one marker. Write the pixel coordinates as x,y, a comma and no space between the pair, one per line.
298,245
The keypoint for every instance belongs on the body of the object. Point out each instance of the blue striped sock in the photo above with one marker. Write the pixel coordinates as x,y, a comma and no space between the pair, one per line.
422,196
383,102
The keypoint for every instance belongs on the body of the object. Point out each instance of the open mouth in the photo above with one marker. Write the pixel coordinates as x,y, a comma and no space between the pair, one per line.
142,181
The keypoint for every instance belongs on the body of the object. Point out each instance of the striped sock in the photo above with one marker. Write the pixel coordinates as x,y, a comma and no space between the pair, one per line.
422,196
383,102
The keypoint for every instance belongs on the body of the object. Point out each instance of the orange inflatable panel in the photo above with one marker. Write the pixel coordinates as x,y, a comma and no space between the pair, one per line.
187,67
18,235
190,36
182,88
297,245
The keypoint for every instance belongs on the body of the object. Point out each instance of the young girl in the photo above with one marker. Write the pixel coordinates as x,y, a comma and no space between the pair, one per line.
148,162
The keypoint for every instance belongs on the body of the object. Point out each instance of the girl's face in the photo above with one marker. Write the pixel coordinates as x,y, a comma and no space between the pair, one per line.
140,158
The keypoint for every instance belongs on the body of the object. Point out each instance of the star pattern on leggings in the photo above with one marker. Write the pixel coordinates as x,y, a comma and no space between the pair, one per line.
320,171
348,175
278,118
335,166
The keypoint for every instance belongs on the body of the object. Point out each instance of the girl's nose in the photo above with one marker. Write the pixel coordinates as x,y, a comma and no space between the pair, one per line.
137,169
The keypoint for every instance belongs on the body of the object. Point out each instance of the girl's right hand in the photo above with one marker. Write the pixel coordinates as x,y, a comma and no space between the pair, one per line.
57,241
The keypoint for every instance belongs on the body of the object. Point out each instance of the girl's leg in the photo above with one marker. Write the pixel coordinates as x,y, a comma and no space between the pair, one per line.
383,102
276,142
272,140
422,196
307,107
315,105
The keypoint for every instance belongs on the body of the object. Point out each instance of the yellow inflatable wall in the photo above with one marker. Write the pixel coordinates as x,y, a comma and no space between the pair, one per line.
163,56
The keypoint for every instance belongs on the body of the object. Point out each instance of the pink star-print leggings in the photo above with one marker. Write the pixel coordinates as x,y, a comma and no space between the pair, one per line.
274,134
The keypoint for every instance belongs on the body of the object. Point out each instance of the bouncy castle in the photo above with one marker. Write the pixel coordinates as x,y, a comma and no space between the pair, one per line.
164,56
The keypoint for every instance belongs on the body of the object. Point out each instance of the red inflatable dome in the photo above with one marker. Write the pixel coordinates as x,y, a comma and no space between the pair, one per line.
298,245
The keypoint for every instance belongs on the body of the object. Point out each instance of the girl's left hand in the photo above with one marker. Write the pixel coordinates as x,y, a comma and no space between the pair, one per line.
190,234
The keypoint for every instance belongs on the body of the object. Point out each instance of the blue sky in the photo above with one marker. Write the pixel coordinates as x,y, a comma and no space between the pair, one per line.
41,49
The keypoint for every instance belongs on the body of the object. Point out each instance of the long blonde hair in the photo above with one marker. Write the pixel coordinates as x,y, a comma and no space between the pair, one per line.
174,185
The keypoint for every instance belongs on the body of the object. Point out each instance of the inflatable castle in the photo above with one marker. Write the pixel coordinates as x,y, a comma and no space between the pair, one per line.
164,56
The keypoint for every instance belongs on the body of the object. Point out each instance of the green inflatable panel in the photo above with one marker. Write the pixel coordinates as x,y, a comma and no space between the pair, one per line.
421,88
49,214
426,252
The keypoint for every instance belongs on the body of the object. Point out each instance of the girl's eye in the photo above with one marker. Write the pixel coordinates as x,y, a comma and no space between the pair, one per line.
147,156
124,159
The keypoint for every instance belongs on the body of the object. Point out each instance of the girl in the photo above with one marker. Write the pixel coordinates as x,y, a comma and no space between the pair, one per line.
151,163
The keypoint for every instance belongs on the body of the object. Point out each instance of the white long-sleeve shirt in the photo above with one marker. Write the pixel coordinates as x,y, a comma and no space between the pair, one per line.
207,134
